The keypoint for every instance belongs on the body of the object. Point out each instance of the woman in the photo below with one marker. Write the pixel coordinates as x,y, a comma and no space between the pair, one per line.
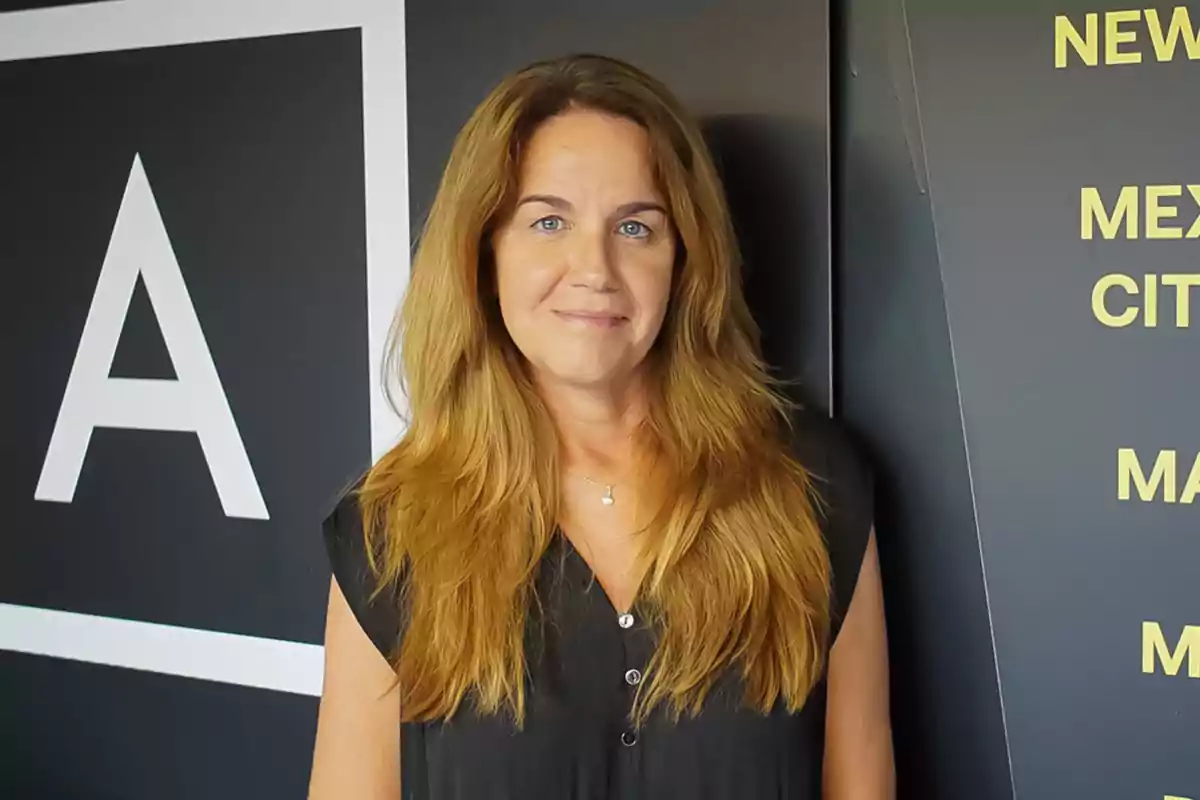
607,559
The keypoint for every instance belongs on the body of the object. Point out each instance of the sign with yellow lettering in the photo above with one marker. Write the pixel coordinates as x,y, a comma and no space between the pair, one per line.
1057,147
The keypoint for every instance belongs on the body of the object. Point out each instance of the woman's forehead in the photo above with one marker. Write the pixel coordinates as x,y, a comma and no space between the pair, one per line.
589,152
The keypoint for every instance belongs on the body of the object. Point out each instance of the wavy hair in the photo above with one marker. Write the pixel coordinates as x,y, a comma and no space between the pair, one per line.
735,573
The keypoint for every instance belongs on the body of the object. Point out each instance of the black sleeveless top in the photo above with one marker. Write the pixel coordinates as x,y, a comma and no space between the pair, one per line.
577,743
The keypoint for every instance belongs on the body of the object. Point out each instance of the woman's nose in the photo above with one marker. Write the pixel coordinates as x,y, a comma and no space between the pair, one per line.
591,262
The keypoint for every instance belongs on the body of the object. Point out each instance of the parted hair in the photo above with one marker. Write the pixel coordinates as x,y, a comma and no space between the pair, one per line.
459,513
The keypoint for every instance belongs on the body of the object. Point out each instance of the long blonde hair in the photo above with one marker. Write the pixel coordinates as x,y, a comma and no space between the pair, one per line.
462,509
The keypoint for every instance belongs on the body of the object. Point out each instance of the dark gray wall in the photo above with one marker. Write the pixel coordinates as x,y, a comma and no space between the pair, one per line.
898,390
968,339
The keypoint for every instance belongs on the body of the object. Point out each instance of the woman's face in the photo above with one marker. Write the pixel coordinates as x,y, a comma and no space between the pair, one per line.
583,266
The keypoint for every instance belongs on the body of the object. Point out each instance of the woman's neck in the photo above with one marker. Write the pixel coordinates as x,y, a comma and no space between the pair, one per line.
596,427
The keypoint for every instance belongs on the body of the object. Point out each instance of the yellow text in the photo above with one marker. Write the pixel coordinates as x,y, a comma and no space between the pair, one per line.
1119,300
1156,651
1162,477
1145,212
1123,37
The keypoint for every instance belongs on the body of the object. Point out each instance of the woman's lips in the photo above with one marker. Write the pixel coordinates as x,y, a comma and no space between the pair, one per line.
593,318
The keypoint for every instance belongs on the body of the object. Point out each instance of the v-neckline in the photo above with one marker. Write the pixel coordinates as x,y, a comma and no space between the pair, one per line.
593,579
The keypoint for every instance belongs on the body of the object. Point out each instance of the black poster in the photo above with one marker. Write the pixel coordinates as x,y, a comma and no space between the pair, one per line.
182,231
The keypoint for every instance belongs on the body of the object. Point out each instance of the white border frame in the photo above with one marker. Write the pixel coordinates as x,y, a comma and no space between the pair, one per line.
135,24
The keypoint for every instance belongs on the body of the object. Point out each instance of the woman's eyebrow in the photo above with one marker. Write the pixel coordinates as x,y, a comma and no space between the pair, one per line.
549,199
562,204
640,205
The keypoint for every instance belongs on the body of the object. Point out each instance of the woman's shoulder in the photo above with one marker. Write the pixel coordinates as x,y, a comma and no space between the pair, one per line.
843,479
841,472
347,548
340,516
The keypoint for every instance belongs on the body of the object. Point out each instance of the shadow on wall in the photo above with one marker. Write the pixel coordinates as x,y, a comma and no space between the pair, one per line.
774,174
897,389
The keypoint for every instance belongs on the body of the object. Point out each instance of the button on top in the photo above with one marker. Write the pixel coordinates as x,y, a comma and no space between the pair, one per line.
633,677
629,738
625,620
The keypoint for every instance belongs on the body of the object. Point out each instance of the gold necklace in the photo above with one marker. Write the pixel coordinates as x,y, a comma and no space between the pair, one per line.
608,498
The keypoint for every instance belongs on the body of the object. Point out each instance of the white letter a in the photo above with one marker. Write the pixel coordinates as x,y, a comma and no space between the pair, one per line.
194,402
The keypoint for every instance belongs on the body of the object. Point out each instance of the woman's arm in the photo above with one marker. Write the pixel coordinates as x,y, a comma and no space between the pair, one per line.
357,751
859,763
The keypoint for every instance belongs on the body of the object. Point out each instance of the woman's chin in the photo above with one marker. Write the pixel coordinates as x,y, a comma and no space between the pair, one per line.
599,377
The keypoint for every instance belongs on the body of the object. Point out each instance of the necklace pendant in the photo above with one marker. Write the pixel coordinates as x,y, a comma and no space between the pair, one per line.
608,498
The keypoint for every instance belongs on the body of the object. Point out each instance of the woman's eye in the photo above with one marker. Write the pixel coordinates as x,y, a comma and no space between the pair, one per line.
549,224
634,229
